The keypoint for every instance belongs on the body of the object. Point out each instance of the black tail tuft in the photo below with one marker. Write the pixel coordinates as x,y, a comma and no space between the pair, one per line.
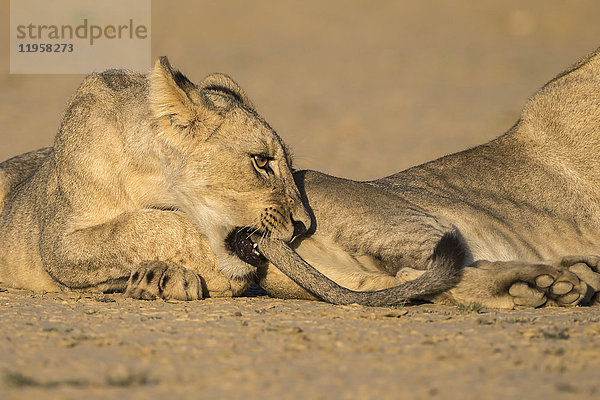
449,255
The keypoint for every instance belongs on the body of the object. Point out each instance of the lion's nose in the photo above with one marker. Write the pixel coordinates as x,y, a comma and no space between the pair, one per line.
299,228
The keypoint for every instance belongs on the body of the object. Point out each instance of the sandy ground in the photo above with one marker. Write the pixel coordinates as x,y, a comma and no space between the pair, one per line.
358,89
60,346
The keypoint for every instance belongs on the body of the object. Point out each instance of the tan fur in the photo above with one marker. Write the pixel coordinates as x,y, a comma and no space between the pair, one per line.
145,168
529,196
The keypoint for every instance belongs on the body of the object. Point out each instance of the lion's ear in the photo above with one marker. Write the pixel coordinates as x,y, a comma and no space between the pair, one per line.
174,99
226,87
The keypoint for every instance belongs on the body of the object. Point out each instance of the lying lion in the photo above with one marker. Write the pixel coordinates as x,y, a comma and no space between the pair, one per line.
153,187
529,196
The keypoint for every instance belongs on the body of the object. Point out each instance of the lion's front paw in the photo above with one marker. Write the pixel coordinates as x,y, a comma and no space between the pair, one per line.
540,284
165,280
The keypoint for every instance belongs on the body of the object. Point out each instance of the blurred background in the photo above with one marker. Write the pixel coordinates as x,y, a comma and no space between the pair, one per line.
358,89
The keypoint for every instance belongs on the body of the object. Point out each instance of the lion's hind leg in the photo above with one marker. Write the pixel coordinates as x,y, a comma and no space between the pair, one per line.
15,170
519,284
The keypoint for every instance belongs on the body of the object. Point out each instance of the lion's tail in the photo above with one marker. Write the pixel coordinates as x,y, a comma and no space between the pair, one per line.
443,274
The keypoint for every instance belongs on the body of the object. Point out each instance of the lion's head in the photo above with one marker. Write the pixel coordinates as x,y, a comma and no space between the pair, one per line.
226,167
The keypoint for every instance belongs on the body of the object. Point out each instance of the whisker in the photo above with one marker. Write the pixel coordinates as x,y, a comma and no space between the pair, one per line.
252,228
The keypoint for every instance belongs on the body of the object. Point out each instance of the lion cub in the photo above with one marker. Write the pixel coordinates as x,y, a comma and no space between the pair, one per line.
152,187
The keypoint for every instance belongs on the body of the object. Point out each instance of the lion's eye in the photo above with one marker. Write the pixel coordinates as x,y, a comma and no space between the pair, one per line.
261,162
